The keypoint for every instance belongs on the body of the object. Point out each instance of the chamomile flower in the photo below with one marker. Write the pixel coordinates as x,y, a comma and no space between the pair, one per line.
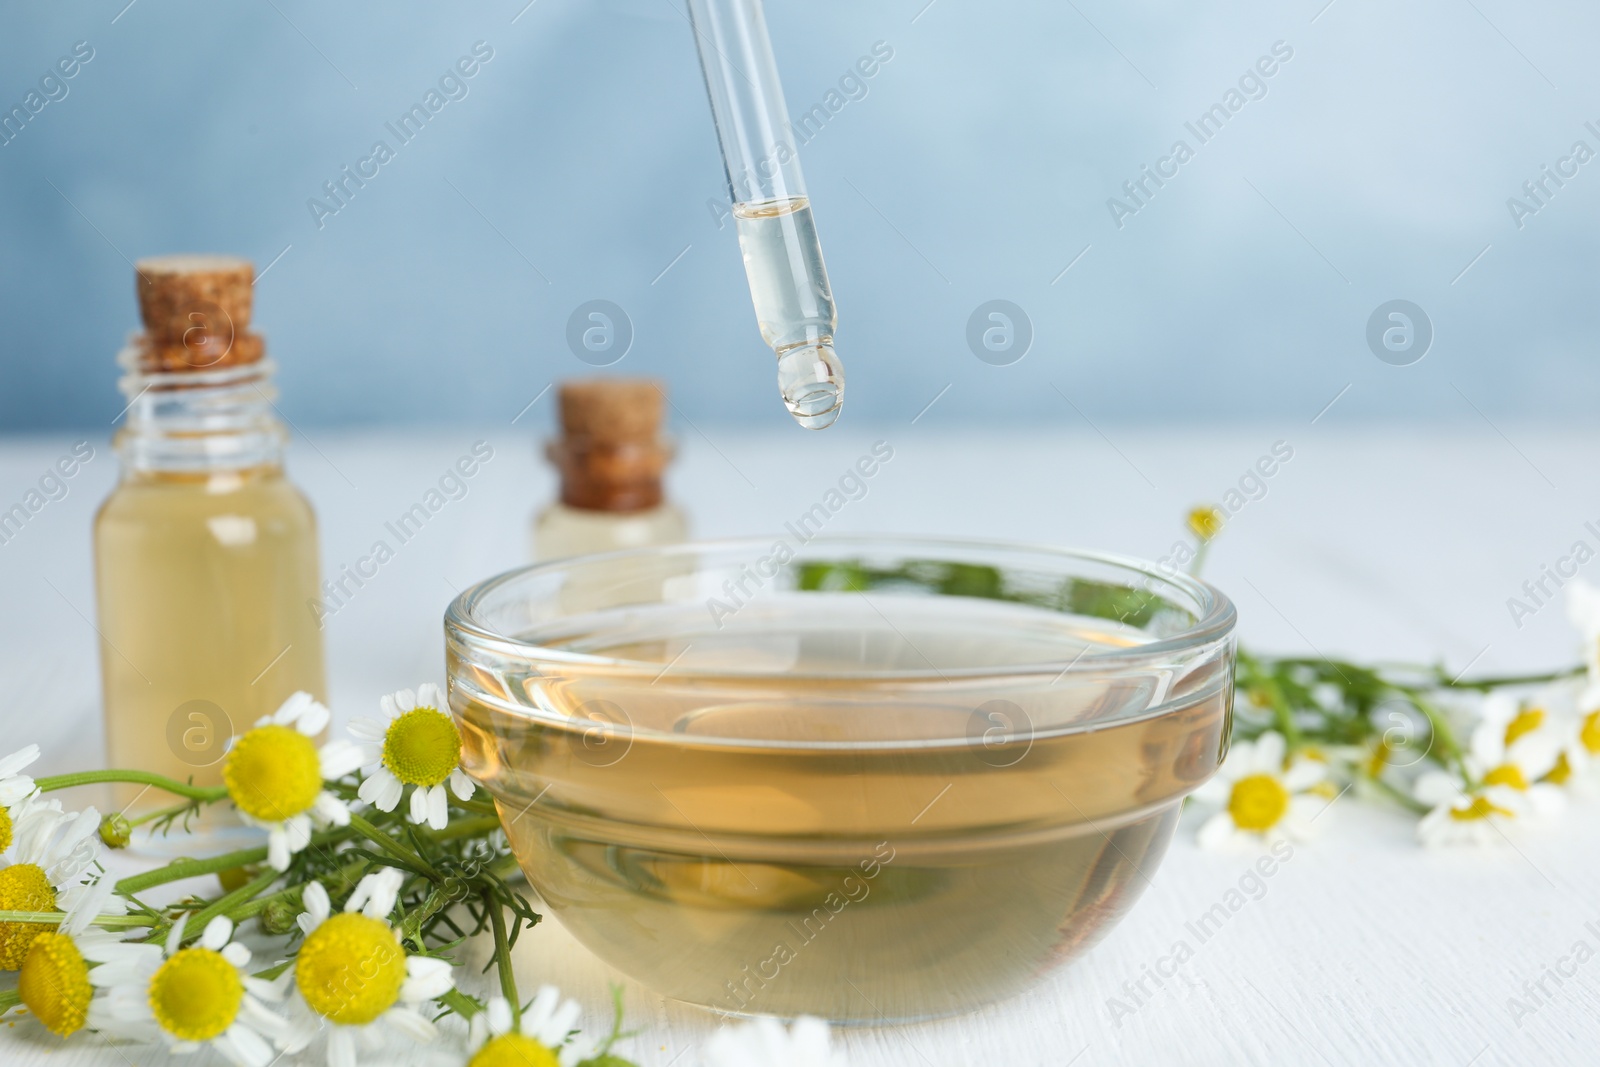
50,852
56,984
539,1039
1514,747
353,973
764,1041
189,998
1462,816
275,775
415,744
1261,798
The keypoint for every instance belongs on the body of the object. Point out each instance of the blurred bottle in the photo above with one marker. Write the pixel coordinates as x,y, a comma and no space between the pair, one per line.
205,554
611,457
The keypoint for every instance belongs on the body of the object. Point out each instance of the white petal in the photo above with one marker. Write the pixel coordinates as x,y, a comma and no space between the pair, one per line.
1303,774
405,700
383,790
419,804
314,719
543,1007
341,1048
438,807
367,729
581,1048
278,849
461,784
17,760
338,758
1488,743
499,1014
1218,832
314,898
175,936
411,1024
217,933
330,810
1269,753
428,696
1535,754
293,708
297,832
559,1024
255,1051
237,954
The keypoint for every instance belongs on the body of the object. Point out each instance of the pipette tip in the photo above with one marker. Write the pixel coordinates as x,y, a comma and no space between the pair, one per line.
811,378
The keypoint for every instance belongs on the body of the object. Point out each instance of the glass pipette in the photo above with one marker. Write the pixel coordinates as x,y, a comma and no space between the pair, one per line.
777,236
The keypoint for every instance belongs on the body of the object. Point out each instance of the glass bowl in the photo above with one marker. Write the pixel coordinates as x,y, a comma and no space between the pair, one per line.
870,779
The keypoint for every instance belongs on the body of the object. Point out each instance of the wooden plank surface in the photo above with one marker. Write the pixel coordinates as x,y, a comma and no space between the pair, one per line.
1361,949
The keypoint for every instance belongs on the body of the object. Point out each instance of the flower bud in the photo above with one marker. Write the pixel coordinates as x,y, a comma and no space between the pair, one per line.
278,917
115,830
1205,522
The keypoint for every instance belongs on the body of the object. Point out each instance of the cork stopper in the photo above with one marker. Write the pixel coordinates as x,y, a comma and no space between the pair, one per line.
610,454
196,312
611,410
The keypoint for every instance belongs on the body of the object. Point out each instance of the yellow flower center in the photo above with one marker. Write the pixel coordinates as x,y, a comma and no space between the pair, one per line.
1560,772
350,969
273,773
1525,723
422,747
5,829
196,994
1480,808
54,983
514,1050
1591,732
23,887
1507,774
1258,802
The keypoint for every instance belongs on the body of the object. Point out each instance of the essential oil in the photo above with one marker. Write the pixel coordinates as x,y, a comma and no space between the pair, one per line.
814,844
205,555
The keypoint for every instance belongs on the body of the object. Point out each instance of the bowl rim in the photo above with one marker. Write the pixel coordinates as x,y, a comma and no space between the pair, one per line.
1215,619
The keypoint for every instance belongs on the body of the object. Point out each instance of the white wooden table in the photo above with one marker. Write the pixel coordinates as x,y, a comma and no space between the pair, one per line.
1394,543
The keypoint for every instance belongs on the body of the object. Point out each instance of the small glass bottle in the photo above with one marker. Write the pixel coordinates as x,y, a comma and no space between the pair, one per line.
205,555
611,456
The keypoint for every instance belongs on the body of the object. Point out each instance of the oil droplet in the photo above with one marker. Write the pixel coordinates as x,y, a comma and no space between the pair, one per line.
811,378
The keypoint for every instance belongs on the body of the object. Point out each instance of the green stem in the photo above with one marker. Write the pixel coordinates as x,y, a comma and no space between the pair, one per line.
391,846
207,794
224,905
464,828
1501,681
1403,799
53,918
178,870
162,813
346,876
460,1003
9,998
502,956
1444,739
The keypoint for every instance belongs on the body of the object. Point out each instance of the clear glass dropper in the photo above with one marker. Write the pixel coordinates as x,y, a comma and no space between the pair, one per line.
777,236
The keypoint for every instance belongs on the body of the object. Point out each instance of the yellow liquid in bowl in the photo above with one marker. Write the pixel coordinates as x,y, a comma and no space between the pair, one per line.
868,849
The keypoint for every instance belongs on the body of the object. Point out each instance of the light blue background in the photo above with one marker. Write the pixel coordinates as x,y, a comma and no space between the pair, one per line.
977,167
